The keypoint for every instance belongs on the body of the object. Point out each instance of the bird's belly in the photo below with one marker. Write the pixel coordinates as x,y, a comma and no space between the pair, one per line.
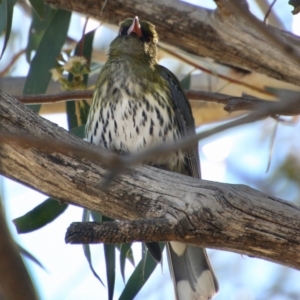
129,126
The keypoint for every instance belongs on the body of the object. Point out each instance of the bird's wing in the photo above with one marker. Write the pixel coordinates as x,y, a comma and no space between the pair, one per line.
184,118
190,268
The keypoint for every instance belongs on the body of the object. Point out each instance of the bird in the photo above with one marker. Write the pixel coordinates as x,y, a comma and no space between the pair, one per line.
138,104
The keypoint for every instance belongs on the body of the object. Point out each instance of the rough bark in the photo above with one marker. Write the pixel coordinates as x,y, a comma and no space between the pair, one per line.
222,216
226,37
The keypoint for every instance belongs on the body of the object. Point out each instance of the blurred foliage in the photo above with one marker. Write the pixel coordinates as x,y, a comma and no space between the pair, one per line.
46,49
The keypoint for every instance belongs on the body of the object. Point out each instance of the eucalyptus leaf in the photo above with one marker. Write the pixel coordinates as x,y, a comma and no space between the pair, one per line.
28,255
139,277
96,216
45,57
39,7
37,30
110,259
79,131
87,254
3,16
86,247
8,7
186,82
125,253
40,216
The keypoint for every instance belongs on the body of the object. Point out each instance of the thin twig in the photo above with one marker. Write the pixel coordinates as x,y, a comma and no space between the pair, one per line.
269,11
49,145
119,163
231,103
55,98
13,60
188,141
81,42
199,67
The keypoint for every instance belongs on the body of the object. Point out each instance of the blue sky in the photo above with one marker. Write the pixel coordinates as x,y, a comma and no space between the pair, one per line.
243,160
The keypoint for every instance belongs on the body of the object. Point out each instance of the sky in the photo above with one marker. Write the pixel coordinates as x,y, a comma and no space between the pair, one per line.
67,275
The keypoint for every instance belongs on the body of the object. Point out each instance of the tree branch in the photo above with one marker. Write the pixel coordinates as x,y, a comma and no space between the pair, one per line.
216,215
219,34
231,103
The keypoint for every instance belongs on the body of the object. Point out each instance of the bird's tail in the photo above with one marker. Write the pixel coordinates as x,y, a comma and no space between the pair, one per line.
191,272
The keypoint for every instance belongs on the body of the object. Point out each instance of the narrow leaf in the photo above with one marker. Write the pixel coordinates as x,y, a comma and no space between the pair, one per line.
87,254
37,30
8,5
79,131
86,215
139,277
39,7
40,216
125,252
86,247
96,216
186,82
3,16
110,259
45,58
28,255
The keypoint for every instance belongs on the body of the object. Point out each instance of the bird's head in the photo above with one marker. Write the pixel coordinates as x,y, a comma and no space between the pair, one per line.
136,40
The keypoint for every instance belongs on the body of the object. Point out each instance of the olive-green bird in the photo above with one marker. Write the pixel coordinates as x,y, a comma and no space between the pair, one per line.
138,104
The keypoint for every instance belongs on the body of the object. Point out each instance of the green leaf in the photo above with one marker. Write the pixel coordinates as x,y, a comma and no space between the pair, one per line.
96,216
39,7
40,216
86,247
37,30
45,58
139,277
87,254
71,115
186,82
110,259
86,215
8,7
3,15
79,131
28,255
125,252
83,48
144,254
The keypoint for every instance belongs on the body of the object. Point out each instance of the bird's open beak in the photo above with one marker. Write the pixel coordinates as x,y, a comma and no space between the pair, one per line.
135,27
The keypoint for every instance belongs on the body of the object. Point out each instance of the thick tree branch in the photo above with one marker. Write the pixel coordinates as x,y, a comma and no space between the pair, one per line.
221,216
222,35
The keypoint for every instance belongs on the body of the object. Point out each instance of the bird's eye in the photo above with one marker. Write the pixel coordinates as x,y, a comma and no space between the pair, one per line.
147,38
123,31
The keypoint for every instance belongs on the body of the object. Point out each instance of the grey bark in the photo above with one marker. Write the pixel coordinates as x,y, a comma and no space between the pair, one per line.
219,34
222,216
